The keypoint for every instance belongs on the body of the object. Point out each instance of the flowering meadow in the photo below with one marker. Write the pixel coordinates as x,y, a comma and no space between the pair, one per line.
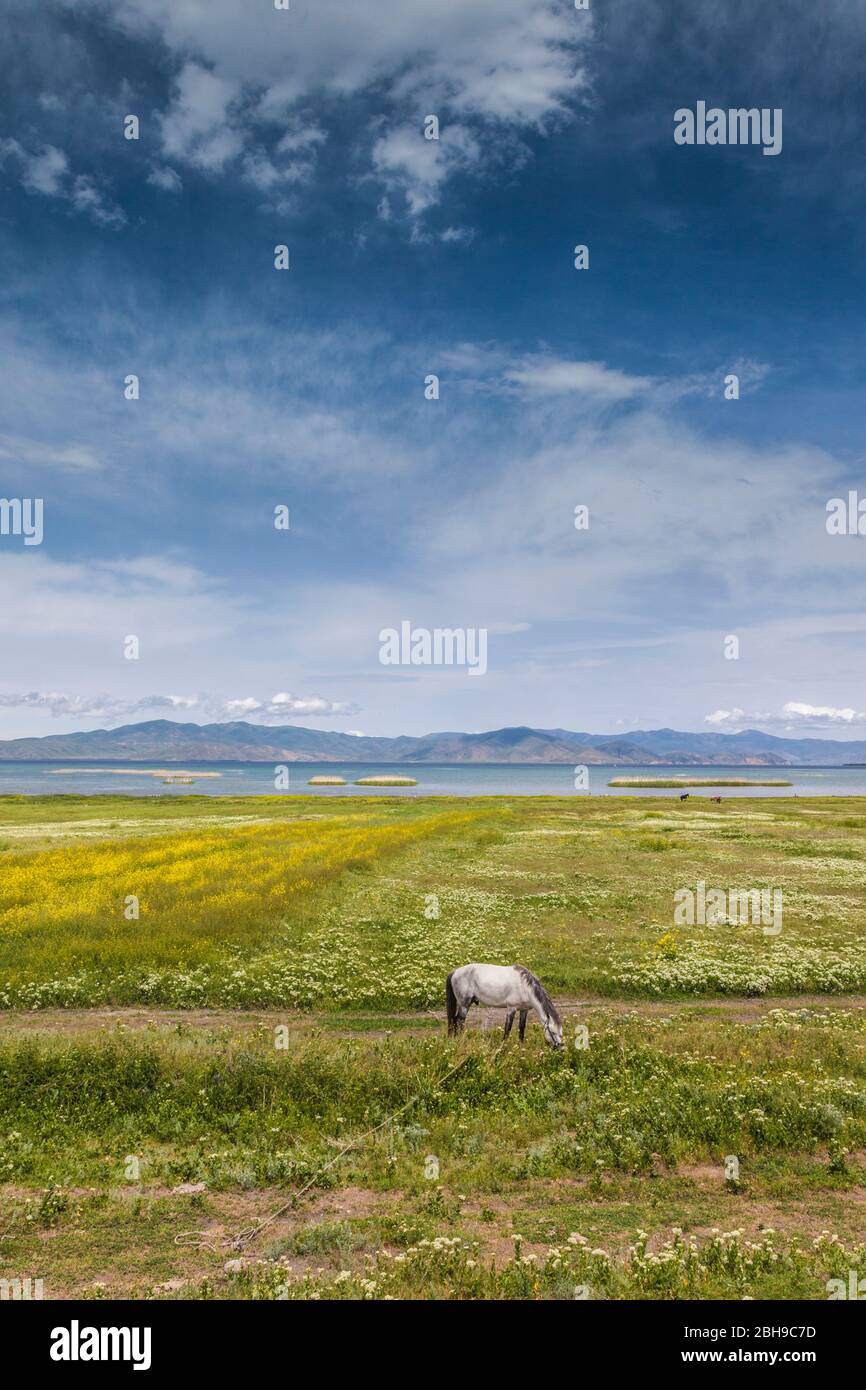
209,915
330,904
725,1264
208,1005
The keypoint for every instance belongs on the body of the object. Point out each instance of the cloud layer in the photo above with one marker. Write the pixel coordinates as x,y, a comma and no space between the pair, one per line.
279,709
562,392
794,716
242,87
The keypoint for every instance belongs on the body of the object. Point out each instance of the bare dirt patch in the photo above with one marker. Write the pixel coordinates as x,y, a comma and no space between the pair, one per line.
137,1019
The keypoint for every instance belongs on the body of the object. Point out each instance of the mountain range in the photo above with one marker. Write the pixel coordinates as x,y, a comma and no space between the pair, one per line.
238,741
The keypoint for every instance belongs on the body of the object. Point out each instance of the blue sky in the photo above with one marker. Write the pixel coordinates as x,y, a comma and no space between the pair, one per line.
558,387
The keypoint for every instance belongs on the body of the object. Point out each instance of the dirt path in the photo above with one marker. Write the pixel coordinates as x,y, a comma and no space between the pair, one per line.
136,1019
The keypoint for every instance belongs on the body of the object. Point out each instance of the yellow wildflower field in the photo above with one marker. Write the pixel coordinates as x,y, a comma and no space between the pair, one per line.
113,910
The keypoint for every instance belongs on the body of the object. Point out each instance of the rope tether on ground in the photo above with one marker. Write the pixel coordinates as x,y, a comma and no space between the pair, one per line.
199,1239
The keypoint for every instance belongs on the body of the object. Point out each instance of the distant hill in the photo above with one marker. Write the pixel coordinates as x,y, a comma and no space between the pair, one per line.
168,741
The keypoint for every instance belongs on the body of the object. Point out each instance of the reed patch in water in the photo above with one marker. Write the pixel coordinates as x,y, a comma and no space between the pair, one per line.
386,782
694,782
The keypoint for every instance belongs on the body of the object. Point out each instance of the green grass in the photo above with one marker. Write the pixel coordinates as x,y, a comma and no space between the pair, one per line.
598,1142
644,1090
340,918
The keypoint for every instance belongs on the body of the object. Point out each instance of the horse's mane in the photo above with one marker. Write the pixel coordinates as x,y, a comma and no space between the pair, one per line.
540,992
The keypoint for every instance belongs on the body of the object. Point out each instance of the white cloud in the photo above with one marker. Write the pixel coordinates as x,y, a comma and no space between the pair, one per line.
540,375
794,714
492,367
205,708
457,234
499,64
45,172
474,359
284,705
197,125
415,167
240,709
734,718
87,198
165,178
291,161
301,140
823,713
750,374
74,457
92,706
48,174
496,58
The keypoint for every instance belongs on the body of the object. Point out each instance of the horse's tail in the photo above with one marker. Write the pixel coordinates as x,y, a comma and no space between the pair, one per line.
451,1004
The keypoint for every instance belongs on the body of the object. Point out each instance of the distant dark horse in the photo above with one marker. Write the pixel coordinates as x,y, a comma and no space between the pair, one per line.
684,796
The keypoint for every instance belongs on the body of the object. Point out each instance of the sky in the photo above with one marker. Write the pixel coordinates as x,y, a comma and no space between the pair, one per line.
306,388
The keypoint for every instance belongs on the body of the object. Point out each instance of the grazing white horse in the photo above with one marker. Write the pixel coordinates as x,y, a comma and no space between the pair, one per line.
511,987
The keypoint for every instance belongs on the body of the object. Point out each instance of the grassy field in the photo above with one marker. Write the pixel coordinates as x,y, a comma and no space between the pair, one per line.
171,1078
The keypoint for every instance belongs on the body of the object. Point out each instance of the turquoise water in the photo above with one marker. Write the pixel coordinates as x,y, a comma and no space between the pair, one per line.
257,779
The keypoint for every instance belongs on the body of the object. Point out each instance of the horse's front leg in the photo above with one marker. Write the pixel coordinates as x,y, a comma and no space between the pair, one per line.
522,1025
509,1021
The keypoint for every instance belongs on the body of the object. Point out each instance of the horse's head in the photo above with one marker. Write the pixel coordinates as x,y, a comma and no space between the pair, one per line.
553,1031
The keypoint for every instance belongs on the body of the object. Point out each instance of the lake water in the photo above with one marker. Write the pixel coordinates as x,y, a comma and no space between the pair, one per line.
476,779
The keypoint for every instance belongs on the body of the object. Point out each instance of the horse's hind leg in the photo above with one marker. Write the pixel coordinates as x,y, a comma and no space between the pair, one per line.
509,1021
522,1025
